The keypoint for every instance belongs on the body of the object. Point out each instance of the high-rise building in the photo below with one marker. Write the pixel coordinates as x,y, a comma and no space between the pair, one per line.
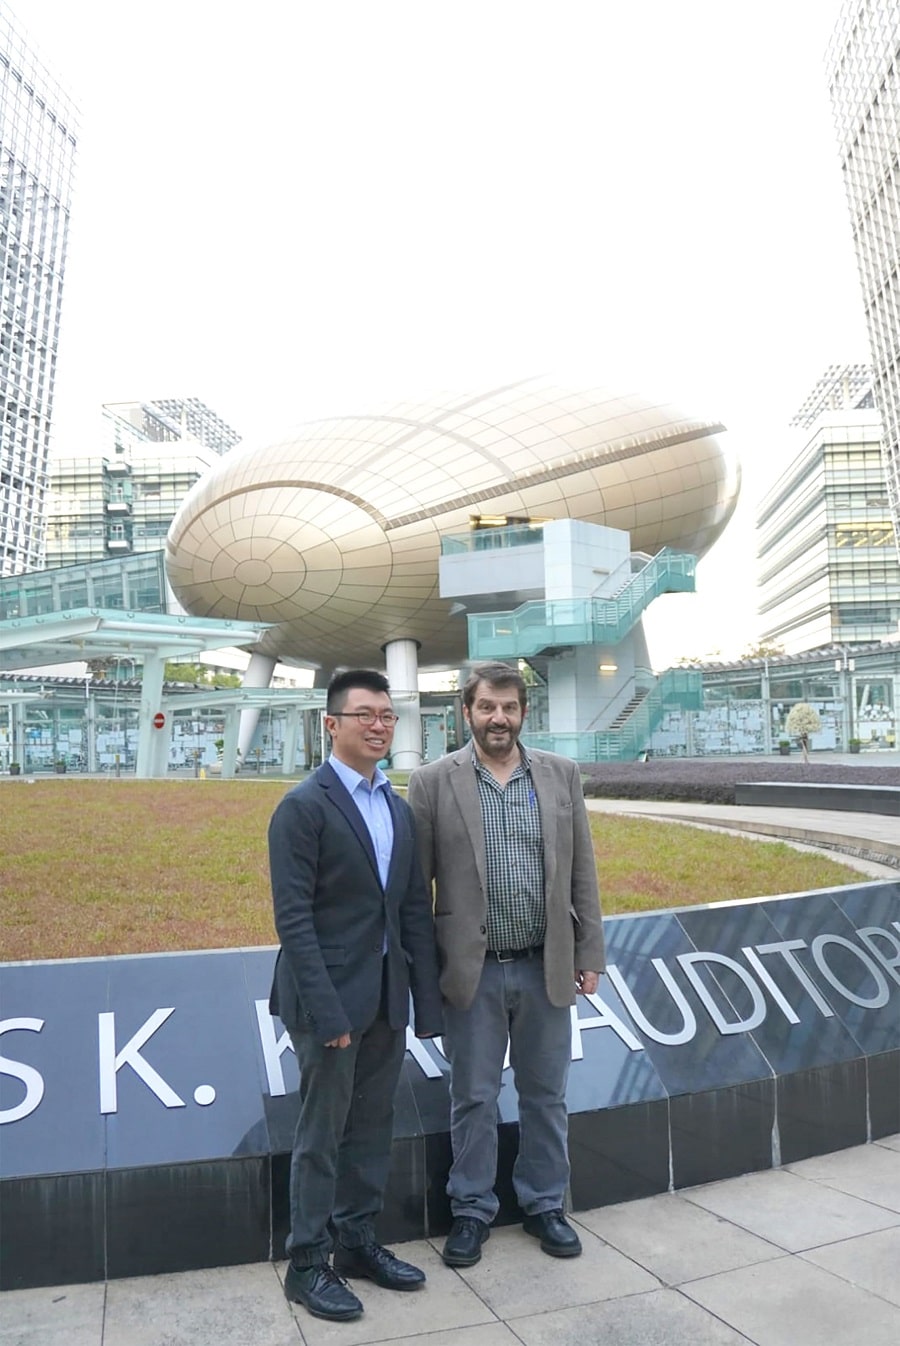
118,498
864,82
174,418
828,569
38,138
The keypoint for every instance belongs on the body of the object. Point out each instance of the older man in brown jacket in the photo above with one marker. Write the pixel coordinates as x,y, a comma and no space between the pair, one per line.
504,837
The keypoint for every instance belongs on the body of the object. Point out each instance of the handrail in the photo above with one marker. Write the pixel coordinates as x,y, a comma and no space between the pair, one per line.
548,624
681,685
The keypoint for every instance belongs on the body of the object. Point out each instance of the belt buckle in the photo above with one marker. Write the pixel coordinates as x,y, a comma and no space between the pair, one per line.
510,959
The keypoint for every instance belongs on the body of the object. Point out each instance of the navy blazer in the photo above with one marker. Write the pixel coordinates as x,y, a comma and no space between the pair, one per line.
332,916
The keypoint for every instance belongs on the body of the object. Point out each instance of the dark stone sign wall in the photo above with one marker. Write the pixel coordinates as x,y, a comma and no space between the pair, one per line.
147,1103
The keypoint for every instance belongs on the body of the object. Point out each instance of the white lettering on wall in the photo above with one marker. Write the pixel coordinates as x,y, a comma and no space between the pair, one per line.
882,994
273,1049
688,1021
605,1018
786,948
419,1053
689,962
870,935
112,1062
31,1078
770,984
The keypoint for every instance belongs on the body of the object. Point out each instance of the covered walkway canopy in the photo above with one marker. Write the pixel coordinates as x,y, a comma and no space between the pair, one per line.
151,637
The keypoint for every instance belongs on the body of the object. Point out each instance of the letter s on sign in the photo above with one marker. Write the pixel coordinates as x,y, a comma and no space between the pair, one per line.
33,1081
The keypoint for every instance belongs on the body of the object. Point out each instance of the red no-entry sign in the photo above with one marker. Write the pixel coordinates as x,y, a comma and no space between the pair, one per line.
159,720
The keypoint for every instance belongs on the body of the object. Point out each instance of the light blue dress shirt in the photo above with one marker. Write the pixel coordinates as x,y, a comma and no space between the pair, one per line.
375,811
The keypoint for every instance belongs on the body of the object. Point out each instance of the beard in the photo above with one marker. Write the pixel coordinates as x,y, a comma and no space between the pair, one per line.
495,743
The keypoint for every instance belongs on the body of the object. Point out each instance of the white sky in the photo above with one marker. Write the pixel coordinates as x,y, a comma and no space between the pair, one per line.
294,209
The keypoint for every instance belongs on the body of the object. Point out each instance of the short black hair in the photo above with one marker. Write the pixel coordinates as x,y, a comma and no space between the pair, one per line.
497,675
342,683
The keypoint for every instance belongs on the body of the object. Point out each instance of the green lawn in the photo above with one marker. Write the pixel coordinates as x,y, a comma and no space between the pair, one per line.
91,867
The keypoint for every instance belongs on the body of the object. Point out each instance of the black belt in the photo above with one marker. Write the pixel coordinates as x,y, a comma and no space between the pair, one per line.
512,955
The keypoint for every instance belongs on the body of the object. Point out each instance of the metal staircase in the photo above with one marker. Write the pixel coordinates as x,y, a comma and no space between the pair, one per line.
677,686
540,627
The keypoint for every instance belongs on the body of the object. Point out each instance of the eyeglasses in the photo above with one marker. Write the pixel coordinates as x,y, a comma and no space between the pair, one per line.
368,717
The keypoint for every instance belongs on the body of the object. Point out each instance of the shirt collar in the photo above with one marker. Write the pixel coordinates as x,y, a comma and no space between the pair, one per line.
479,765
351,779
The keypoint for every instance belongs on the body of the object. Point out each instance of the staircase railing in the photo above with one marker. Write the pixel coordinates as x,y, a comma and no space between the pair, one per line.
555,623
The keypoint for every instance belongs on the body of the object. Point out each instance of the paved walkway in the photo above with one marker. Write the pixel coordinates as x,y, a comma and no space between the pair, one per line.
798,1256
872,839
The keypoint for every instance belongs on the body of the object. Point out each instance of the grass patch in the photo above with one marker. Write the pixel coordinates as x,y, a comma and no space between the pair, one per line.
90,868
644,865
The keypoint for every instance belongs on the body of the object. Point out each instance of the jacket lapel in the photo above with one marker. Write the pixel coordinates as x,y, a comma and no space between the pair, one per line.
542,779
337,794
465,788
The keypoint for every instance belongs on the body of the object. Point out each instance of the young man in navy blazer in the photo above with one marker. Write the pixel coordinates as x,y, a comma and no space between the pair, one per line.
357,935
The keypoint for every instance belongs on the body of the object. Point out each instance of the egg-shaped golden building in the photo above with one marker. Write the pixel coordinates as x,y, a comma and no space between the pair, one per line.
333,532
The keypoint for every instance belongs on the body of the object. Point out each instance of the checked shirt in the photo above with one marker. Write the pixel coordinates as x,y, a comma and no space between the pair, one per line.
514,850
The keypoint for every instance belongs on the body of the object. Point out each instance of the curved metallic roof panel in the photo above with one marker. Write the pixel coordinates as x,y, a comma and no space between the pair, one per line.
334,531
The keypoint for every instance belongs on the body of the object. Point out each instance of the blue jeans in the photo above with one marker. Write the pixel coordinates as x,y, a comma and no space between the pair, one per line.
510,1005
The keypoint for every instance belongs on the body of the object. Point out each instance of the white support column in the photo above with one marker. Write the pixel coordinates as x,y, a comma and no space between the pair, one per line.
18,742
291,739
151,704
402,665
259,674
230,742
90,733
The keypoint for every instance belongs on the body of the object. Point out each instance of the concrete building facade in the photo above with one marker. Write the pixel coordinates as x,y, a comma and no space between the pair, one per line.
828,566
38,141
120,497
864,83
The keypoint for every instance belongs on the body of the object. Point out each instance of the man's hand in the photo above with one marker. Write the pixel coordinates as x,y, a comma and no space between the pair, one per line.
342,1041
586,983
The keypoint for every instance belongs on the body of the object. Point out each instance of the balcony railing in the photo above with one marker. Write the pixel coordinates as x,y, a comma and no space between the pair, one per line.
488,539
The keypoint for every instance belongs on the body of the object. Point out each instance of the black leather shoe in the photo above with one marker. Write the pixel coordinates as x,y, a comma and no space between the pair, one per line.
557,1236
377,1264
320,1290
463,1246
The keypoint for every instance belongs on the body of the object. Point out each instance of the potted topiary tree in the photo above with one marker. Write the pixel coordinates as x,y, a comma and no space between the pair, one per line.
803,721
15,769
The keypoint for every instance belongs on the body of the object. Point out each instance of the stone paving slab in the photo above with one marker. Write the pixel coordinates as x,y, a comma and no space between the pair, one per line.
221,1304
870,1172
53,1316
661,1318
871,1261
792,1303
791,1212
677,1240
514,1278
